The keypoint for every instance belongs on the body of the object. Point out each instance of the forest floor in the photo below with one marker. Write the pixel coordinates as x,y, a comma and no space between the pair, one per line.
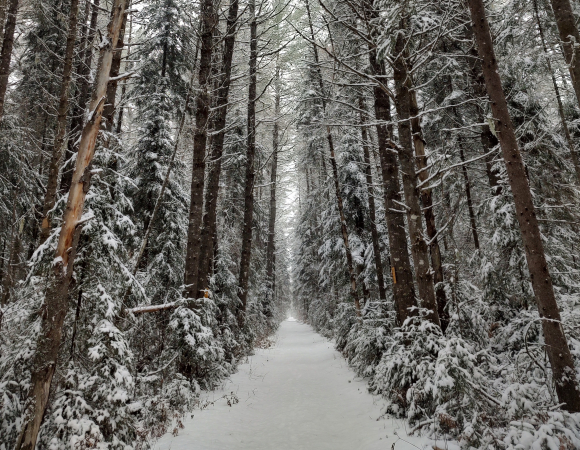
299,394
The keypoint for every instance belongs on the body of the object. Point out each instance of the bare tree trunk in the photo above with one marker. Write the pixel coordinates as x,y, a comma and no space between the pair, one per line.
372,209
429,213
400,264
209,227
468,195
6,54
2,19
209,22
344,231
270,249
55,305
83,71
570,38
62,114
569,140
419,249
250,170
556,345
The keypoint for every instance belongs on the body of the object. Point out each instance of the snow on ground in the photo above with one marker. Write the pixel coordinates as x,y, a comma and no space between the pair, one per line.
299,394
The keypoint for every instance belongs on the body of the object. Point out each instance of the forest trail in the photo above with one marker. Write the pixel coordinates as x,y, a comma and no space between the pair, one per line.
299,394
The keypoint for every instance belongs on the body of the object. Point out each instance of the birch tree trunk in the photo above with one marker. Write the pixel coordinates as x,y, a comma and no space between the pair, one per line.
55,306
62,115
209,20
6,54
556,346
250,170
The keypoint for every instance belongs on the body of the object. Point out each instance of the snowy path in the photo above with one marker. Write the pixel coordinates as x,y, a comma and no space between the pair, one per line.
298,395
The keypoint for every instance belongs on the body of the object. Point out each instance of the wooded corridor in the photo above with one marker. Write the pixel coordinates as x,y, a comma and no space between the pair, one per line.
177,178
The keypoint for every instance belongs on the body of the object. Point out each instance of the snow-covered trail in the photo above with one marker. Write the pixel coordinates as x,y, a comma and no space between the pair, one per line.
298,395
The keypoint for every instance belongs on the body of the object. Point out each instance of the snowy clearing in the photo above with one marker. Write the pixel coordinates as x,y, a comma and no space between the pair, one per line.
298,395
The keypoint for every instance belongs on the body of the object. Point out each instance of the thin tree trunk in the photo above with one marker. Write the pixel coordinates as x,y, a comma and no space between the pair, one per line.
209,226
419,249
468,195
244,274
61,121
570,37
487,138
270,249
429,213
556,345
343,228
209,22
565,128
83,71
6,54
372,208
2,19
55,305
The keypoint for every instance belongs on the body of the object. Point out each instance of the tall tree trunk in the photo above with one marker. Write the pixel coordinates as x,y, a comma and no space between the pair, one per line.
428,212
244,274
209,226
556,345
371,196
468,195
83,71
209,22
270,249
55,306
570,37
343,228
6,54
2,19
565,128
400,264
62,115
487,138
419,249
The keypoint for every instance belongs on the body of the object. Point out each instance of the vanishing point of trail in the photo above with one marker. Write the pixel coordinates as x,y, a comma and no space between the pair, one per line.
299,394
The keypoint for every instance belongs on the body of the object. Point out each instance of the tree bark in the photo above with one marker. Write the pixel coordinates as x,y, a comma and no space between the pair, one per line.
6,54
570,37
372,208
61,122
343,228
556,346
250,170
419,249
565,128
83,71
270,248
468,195
209,22
400,264
209,227
55,306
429,213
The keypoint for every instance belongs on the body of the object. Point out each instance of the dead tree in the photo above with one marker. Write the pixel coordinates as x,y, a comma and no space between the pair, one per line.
56,303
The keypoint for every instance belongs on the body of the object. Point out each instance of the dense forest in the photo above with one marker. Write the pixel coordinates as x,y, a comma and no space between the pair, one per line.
177,176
